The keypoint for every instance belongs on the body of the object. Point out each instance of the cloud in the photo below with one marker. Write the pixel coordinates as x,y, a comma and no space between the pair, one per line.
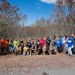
48,1
38,5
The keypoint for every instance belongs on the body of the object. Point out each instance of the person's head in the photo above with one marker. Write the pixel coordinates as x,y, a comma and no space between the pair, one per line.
15,39
59,37
41,38
29,39
3,38
47,37
72,35
7,40
54,37
65,35
21,41
32,42
38,39
26,45
69,36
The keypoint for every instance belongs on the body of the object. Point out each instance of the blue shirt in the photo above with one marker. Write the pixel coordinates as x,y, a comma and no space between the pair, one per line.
59,43
48,41
70,42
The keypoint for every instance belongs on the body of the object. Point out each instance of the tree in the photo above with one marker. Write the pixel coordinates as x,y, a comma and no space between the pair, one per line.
11,18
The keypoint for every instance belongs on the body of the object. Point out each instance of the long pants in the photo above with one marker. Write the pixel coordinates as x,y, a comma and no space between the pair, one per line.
2,50
70,51
64,48
21,51
74,49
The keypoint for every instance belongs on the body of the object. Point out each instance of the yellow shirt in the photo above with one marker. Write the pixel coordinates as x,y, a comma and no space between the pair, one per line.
26,49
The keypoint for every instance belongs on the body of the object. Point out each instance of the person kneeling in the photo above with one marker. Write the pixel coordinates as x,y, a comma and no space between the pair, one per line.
26,50
53,49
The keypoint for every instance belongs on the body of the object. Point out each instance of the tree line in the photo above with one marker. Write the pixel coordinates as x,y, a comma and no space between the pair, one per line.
61,21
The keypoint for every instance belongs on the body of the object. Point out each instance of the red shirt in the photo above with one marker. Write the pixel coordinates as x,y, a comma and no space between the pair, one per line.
3,43
42,42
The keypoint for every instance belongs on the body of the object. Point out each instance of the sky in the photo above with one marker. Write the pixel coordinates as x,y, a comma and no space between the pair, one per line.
34,8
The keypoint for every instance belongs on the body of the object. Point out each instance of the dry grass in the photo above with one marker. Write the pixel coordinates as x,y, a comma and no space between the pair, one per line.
34,62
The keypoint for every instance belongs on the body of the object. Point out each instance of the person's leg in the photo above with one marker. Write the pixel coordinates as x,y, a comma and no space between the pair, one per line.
7,50
74,49
28,53
14,51
2,50
25,53
21,51
48,48
41,51
37,48
69,51
64,48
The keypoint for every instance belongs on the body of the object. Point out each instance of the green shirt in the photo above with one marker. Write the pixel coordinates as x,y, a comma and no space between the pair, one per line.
15,43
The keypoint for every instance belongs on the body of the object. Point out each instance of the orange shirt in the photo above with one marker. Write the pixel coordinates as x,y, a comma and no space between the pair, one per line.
3,43
7,43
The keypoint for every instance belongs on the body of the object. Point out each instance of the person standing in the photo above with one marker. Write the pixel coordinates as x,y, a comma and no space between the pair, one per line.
15,43
70,43
48,41
29,43
22,46
37,44
0,45
3,45
47,47
64,41
26,50
33,48
42,44
73,36
59,45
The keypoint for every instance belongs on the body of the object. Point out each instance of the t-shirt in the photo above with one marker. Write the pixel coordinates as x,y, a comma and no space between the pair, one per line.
26,49
3,43
70,42
42,42
29,44
11,48
59,43
64,40
48,41
15,43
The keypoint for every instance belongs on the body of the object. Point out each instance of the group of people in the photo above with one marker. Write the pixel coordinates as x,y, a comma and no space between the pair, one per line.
65,44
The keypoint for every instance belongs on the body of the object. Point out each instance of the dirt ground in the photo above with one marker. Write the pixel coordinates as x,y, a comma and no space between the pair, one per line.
23,65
